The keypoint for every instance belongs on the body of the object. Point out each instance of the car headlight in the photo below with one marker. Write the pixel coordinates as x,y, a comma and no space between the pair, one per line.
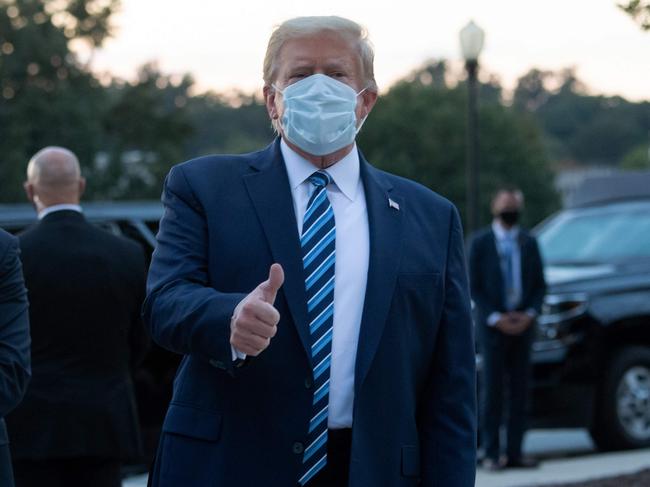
557,310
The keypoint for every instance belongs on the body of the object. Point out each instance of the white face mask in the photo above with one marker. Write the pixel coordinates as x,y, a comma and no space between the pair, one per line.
319,114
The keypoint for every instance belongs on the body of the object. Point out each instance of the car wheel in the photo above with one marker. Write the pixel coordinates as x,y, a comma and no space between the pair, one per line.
623,408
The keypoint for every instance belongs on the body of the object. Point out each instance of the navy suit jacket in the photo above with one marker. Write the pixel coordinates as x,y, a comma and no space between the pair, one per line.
86,288
488,290
226,220
14,340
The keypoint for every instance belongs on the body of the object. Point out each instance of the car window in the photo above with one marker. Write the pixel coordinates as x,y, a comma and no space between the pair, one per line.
592,238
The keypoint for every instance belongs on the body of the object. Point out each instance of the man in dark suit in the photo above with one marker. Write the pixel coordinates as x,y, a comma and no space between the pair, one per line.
78,420
507,282
321,304
14,343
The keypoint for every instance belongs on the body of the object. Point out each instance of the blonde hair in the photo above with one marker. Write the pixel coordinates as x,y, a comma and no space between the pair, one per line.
308,26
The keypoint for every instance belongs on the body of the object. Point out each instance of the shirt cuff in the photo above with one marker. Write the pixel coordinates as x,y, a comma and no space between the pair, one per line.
493,318
236,354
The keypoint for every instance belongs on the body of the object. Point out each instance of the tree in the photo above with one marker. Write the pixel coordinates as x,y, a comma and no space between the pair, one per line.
418,131
639,10
126,135
227,124
145,126
578,127
46,95
637,158
532,90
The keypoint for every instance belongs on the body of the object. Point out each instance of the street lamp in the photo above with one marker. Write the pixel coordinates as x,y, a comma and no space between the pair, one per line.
471,43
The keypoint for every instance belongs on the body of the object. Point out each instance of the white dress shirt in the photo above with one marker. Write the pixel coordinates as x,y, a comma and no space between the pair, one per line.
502,234
51,209
348,201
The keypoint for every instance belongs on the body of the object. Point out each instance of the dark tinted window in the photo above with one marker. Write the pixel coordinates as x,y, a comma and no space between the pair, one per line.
592,236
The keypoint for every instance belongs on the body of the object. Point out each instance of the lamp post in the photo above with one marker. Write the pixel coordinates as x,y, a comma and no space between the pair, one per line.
471,43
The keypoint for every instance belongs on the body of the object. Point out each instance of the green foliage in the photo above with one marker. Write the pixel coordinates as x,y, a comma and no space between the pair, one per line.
418,130
637,159
227,125
127,135
145,126
639,10
46,97
579,128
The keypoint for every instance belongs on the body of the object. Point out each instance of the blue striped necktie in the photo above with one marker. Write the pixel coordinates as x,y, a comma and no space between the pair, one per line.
507,247
318,256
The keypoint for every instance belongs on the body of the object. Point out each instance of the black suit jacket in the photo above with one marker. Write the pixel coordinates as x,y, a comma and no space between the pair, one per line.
85,287
486,280
14,341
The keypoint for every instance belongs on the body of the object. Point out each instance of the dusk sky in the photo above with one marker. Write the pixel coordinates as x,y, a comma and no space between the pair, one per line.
222,43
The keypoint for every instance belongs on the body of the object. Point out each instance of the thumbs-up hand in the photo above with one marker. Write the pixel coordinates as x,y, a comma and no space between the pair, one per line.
255,319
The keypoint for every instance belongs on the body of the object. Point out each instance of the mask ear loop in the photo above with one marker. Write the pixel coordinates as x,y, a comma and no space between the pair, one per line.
363,120
279,119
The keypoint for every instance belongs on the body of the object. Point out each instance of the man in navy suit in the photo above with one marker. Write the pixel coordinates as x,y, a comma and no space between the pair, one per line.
507,280
78,420
14,343
321,304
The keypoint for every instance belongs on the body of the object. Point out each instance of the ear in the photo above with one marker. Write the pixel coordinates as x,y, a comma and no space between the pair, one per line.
369,98
29,190
269,101
82,186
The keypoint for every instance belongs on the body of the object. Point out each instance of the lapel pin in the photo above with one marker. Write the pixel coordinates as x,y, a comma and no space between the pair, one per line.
393,204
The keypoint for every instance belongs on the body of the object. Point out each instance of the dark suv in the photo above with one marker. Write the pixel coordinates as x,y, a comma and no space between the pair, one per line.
592,356
137,220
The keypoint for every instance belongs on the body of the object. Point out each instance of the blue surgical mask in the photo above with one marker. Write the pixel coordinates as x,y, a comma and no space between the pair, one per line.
319,114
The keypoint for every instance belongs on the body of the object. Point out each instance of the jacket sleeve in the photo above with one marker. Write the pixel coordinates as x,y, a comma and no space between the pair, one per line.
182,311
448,421
478,281
539,283
138,335
14,331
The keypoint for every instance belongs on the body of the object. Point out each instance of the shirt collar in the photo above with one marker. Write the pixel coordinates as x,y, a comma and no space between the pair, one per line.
51,209
345,173
502,232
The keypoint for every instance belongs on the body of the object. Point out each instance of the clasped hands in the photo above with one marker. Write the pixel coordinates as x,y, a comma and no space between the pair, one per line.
514,322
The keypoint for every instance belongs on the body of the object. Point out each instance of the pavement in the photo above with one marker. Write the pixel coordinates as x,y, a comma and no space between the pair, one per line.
590,467
566,456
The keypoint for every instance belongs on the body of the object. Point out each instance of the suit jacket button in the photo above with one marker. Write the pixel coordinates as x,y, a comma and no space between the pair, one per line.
308,383
298,448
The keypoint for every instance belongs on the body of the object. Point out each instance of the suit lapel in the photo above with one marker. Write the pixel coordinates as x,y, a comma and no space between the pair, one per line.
268,188
494,256
494,261
523,262
385,232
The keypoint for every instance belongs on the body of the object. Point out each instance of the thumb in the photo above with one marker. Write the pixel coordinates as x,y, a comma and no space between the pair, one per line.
270,287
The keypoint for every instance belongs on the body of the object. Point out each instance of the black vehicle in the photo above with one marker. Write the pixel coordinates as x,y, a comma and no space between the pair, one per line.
137,220
592,355
591,360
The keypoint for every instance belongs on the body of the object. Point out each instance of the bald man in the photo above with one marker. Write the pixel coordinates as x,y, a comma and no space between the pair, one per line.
78,420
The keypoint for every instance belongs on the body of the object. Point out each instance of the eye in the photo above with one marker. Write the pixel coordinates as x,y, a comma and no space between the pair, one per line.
298,75
337,74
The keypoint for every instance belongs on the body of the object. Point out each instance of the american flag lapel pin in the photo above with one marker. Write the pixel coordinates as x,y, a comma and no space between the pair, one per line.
393,204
